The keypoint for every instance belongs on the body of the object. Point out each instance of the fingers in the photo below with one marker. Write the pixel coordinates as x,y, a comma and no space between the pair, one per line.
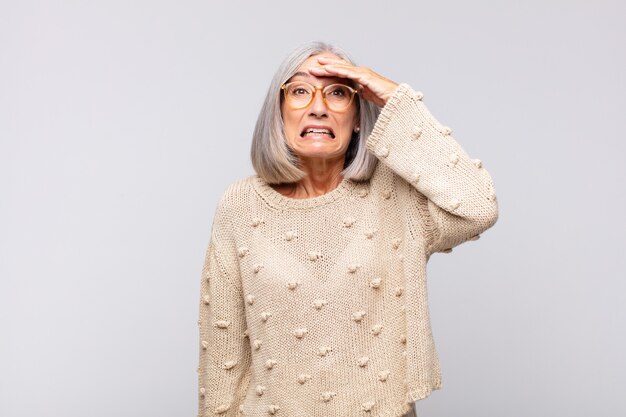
330,66
336,69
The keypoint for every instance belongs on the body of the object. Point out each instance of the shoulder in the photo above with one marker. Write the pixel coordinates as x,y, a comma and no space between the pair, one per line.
234,200
236,196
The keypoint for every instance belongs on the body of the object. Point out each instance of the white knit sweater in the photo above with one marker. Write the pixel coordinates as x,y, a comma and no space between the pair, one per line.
318,307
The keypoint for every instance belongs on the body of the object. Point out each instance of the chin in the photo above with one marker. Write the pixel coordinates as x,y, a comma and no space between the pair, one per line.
318,149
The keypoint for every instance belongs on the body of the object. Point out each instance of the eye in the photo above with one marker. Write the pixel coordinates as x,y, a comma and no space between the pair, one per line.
299,90
338,91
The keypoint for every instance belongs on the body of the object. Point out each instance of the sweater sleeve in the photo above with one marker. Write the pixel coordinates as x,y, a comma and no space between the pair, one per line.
459,194
224,365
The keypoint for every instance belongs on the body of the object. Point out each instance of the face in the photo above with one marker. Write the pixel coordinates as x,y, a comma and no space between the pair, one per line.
298,124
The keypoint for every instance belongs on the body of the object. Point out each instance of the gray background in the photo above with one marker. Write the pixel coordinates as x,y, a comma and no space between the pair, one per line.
122,122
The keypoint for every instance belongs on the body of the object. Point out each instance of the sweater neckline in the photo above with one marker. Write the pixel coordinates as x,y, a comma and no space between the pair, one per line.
277,200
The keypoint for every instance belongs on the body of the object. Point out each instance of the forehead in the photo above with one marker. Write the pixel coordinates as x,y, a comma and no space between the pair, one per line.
312,60
303,74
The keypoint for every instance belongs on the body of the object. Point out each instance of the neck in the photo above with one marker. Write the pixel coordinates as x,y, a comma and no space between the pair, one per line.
322,176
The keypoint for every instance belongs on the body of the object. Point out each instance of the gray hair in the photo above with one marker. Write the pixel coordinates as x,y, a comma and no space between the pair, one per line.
272,159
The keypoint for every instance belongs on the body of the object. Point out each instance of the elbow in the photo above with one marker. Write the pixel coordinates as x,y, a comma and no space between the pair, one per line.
485,215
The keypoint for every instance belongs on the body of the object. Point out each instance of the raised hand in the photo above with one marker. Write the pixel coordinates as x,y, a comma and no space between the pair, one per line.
372,86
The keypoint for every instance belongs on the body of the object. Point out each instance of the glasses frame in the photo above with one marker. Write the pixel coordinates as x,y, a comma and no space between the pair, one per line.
322,89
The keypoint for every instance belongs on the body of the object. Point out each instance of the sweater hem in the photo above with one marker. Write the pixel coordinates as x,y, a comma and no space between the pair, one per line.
386,115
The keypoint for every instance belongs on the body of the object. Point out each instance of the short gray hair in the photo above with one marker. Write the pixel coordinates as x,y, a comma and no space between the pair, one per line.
272,159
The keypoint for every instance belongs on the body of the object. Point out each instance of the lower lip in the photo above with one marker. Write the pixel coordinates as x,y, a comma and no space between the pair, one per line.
317,136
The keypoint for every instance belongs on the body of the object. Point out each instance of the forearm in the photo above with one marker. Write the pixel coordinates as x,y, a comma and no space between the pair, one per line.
412,143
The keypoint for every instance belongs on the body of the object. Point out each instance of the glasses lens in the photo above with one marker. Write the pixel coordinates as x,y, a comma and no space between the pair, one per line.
338,96
298,94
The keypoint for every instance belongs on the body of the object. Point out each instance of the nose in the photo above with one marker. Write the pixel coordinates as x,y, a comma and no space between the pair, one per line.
318,107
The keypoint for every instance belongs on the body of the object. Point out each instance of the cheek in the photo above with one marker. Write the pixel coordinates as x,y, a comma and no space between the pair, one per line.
290,123
349,122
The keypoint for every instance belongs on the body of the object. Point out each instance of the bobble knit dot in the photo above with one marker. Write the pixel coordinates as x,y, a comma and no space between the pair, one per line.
383,375
454,204
362,361
396,243
206,299
257,344
222,324
243,251
222,408
375,283
328,395
352,268
318,304
314,256
289,236
454,159
370,233
229,364
273,409
416,133
260,389
358,315
348,221
246,333
303,378
446,130
257,268
478,163
202,392
418,95
403,307
256,222
475,237
265,315
362,192
376,329
386,194
398,291
403,338
250,299
270,363
299,333
324,350
415,178
404,353
383,152
292,285
368,405
205,344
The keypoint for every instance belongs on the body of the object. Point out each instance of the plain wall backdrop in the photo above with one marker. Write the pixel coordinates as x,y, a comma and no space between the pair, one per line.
122,122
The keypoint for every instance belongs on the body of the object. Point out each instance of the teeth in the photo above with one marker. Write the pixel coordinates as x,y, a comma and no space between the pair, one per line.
319,131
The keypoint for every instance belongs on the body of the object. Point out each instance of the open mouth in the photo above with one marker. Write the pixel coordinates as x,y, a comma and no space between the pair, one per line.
317,132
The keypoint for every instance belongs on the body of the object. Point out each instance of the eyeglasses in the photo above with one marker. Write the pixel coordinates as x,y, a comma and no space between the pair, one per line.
300,94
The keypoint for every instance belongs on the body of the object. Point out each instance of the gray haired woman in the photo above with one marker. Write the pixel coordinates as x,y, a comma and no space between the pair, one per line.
313,291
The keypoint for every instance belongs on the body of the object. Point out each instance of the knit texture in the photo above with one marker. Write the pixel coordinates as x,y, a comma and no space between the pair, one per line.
318,307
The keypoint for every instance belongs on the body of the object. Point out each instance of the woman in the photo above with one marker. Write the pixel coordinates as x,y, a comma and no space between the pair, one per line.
313,295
